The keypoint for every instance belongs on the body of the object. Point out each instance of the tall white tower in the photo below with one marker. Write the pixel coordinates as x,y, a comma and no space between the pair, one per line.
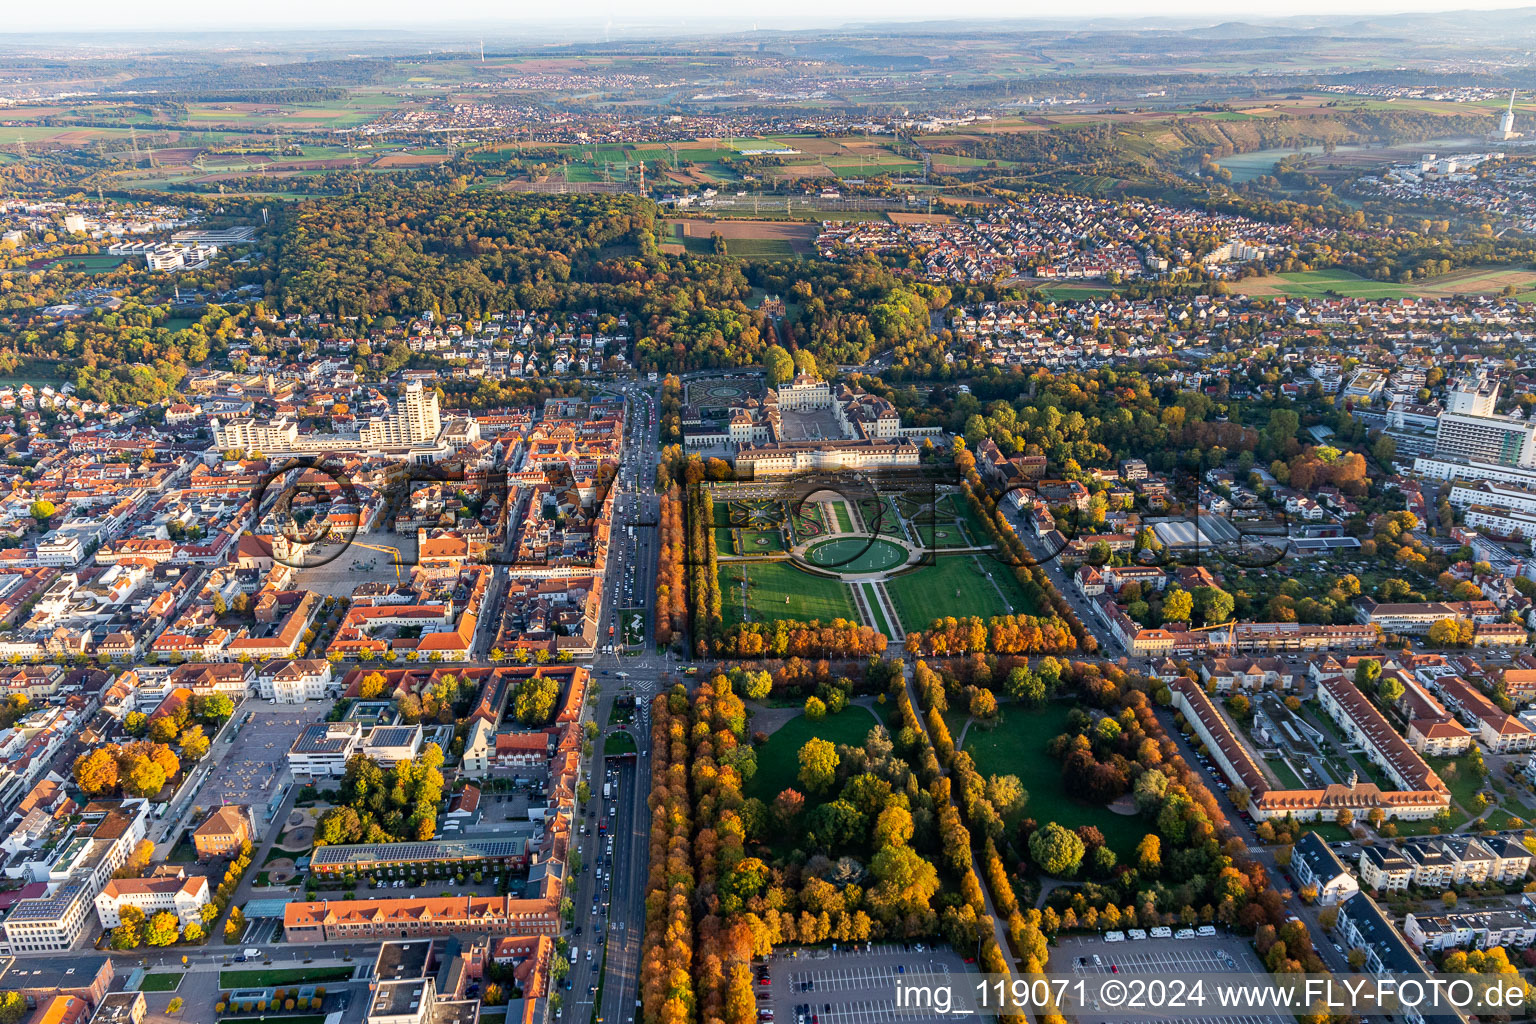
1507,121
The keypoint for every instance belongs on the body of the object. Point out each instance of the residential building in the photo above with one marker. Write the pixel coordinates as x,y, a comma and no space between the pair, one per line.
1313,863
1384,868
421,917
38,979
77,870
1479,929
1499,732
1422,797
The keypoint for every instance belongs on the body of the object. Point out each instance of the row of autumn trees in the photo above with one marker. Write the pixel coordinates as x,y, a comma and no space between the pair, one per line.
696,971
671,588
878,839
1031,577
1001,634
703,578
980,800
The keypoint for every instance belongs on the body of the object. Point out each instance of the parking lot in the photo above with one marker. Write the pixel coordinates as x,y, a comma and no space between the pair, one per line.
1165,958
854,985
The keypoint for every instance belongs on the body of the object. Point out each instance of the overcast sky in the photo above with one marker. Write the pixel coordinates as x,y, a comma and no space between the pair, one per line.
449,15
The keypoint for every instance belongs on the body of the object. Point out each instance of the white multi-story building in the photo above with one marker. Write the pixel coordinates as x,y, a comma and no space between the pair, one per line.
250,434
416,420
80,868
296,681
1474,396
1499,439
182,894
1502,522
322,750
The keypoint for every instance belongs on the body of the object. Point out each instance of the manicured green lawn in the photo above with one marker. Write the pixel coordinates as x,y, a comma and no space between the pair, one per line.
161,982
762,542
778,760
1284,773
944,533
286,1018
856,554
884,513
632,625
768,586
282,976
956,505
1463,783
1017,747
619,743
956,586
875,609
844,520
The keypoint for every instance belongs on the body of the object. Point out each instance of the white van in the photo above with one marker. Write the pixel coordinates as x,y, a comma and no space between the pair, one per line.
1135,934
1114,936
1206,931
1184,933
1162,933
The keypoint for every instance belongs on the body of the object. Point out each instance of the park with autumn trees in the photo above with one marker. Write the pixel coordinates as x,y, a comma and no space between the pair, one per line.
865,818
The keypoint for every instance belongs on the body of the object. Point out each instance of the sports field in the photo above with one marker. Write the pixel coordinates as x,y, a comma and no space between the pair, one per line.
958,586
779,590
856,555
1472,281
99,263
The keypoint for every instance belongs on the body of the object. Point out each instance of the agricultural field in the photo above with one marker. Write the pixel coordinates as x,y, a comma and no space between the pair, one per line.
1472,281
959,585
749,239
779,590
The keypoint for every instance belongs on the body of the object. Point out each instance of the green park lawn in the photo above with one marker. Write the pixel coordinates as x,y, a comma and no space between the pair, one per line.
1017,747
283,976
856,555
930,592
769,584
161,981
778,760
844,520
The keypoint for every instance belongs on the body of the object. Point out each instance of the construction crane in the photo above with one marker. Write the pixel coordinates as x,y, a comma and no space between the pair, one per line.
385,550
1230,626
